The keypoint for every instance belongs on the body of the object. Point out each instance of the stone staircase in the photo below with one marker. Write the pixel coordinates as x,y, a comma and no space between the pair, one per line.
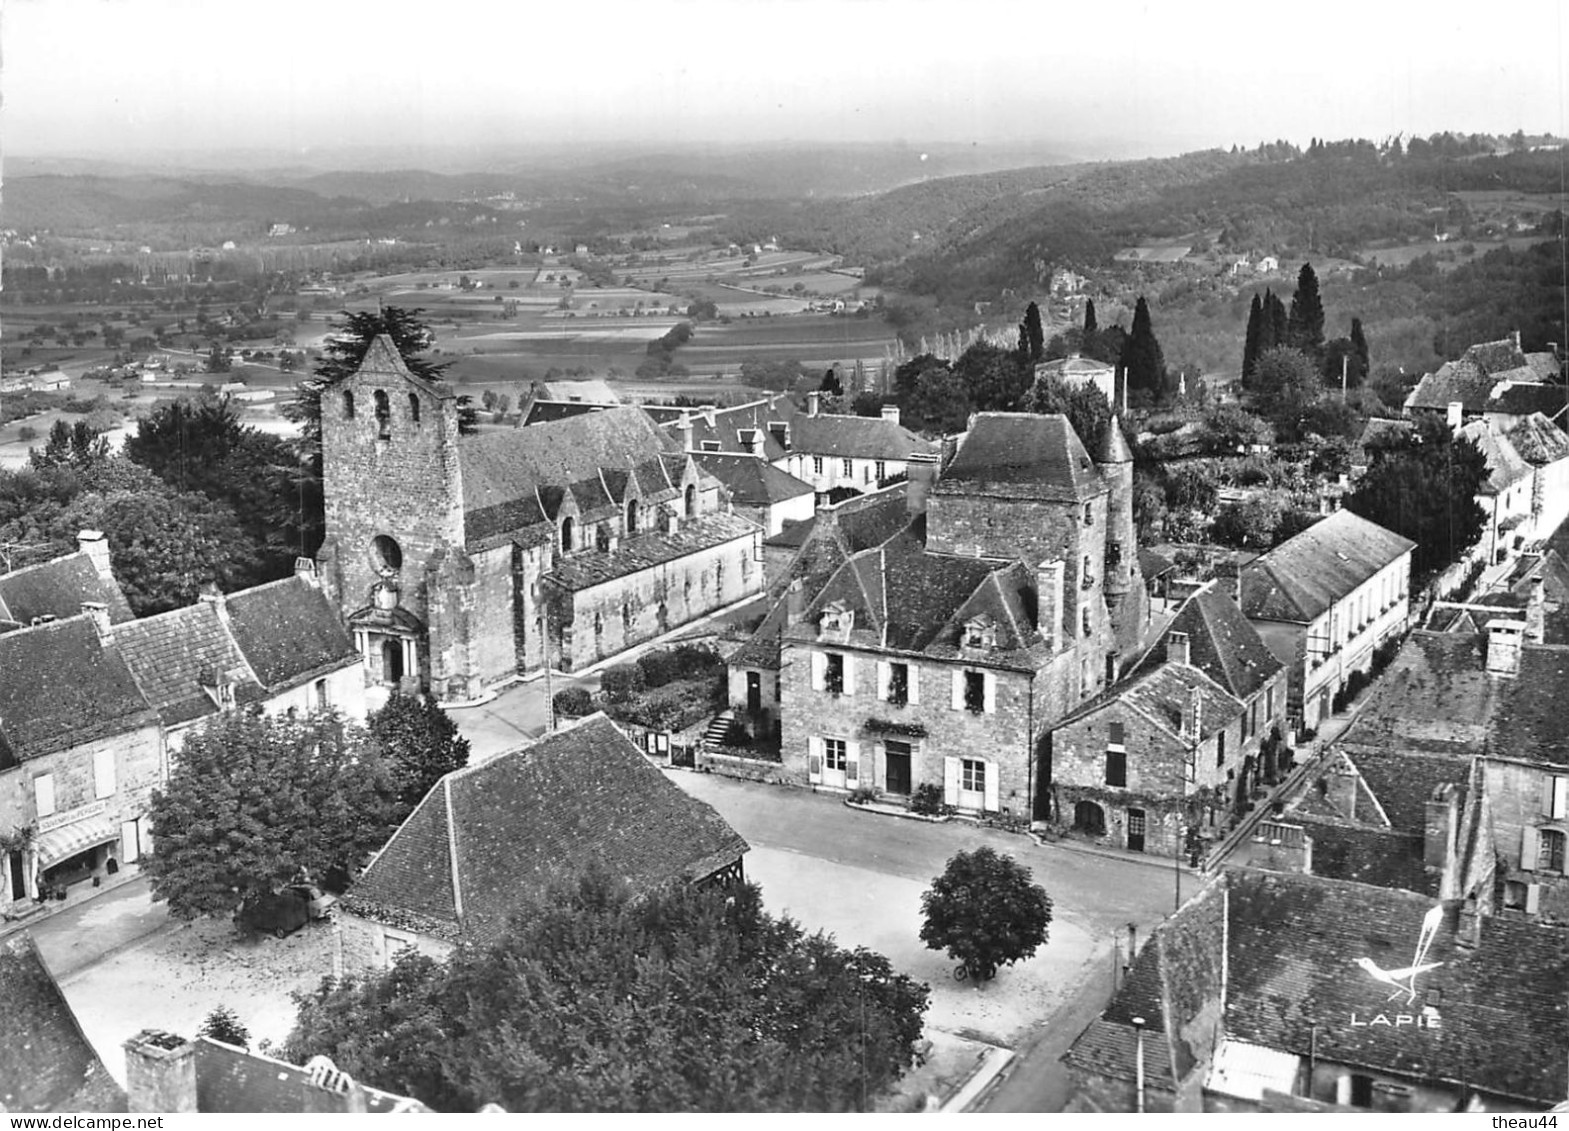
717,729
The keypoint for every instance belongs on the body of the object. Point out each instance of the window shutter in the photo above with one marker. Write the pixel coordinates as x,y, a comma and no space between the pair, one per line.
130,842
879,766
103,774
43,794
1533,898
852,765
990,686
1560,807
819,671
1528,848
849,675
814,759
914,682
958,689
993,787
882,680
950,781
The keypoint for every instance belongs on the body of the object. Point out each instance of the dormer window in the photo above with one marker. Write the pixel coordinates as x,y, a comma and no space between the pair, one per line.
837,620
980,632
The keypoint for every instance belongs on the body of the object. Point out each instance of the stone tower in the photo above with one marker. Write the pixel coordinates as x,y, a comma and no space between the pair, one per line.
394,507
1126,599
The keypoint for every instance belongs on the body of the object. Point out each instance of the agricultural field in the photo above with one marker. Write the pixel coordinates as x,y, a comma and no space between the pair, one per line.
1449,254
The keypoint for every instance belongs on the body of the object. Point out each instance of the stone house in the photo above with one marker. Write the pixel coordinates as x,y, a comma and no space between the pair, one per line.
1323,601
859,453
462,562
491,837
1077,370
1496,381
58,588
1209,1020
1506,494
80,753
760,491
942,655
1178,746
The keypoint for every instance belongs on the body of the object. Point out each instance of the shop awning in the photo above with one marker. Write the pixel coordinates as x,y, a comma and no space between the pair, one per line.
62,843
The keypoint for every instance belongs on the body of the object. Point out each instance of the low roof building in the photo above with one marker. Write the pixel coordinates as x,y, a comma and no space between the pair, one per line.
46,1061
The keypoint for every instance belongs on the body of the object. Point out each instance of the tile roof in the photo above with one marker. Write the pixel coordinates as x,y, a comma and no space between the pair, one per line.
1021,455
1292,983
1370,856
1496,357
1163,694
793,534
1524,399
1539,441
288,632
62,687
1222,642
544,412
1504,465
586,568
488,838
1453,381
1544,365
58,589
173,656
1380,433
751,480
1435,697
46,1061
1075,366
235,1081
1403,783
1528,721
1298,580
724,426
856,437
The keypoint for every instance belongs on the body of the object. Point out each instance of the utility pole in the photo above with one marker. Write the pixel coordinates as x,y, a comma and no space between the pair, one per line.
1343,360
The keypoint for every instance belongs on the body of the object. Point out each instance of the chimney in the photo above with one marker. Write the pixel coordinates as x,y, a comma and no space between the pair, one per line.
1440,831
795,602
1177,651
96,547
305,570
1194,722
672,522
684,427
1455,414
1048,602
160,1073
100,614
708,413
1516,336
1535,613
813,402
1503,647
891,412
1468,932
921,473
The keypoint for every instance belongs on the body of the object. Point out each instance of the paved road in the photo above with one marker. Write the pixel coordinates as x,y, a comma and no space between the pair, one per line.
75,938
1094,897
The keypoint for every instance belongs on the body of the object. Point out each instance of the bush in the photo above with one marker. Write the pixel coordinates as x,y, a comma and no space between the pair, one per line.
675,706
658,667
928,800
27,433
573,702
863,795
621,682
222,1025
696,660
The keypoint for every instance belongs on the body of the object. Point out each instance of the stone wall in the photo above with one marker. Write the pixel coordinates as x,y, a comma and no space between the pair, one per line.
747,769
364,943
345,694
1515,793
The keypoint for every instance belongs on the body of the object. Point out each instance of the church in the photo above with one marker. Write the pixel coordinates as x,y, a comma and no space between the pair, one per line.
462,561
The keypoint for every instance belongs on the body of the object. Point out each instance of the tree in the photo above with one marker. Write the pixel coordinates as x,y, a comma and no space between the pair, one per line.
1143,364
1305,323
221,1024
994,378
76,446
1082,403
1425,489
940,400
217,360
419,743
1359,345
831,384
1285,383
985,911
1090,325
1250,346
254,802
599,998
1032,335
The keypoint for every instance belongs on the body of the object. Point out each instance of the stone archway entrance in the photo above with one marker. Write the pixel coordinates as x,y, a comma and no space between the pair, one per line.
1090,818
392,661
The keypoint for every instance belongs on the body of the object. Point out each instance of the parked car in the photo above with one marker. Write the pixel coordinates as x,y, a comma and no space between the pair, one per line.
279,914
318,902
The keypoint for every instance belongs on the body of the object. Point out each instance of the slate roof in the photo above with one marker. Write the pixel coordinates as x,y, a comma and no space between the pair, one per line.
1544,365
751,481
288,632
544,412
58,589
1528,719
1021,455
488,838
171,655
1370,856
1075,367
1298,580
1222,643
586,568
1435,697
1403,783
1292,984
1524,399
46,1061
1453,381
793,534
856,437
1163,694
62,687
728,424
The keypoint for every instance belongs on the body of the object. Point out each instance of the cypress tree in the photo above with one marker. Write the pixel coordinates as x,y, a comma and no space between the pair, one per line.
1143,364
1032,335
1279,323
1250,350
1306,322
1090,325
1359,344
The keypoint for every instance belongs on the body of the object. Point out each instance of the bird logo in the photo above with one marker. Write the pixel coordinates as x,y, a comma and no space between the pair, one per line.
1404,979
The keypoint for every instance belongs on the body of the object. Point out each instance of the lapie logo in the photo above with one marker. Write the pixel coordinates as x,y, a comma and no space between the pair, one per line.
1404,979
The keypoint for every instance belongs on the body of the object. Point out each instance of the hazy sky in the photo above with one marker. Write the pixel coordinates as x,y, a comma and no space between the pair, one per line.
125,77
